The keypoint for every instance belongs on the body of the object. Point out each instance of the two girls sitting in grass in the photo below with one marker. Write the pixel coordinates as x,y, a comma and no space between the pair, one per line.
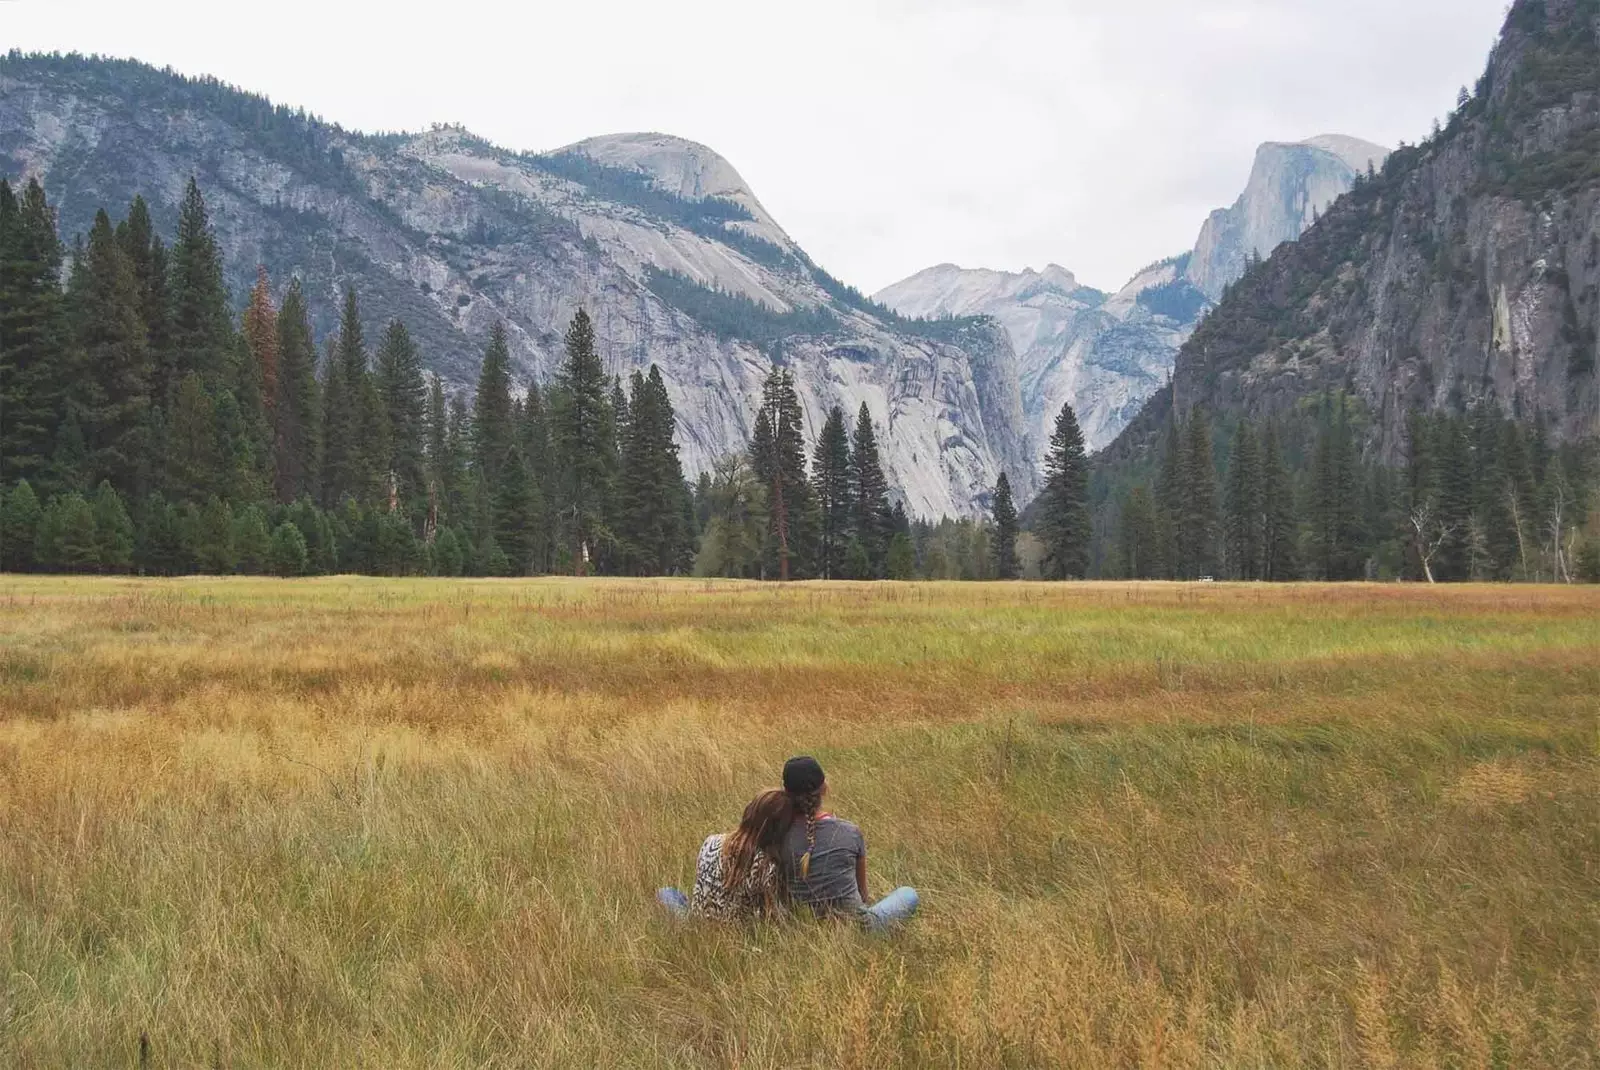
788,850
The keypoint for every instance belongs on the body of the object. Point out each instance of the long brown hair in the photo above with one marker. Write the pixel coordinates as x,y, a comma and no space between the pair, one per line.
765,823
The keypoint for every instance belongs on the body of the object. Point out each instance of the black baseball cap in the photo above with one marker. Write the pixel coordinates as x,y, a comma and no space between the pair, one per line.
802,775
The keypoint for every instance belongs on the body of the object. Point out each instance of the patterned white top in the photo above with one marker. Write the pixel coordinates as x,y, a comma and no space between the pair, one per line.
750,899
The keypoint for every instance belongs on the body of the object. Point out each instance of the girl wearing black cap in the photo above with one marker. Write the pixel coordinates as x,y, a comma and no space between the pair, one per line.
825,858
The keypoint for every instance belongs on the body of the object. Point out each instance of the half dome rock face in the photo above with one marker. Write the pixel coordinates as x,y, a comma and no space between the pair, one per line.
658,238
1102,354
1107,354
1289,186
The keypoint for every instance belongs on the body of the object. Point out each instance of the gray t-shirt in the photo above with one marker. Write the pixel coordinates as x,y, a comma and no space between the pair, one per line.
830,884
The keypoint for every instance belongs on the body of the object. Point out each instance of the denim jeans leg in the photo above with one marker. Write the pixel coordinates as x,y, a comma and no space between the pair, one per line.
892,909
676,903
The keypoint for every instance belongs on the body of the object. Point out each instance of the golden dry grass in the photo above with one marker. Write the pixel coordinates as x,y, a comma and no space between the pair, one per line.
366,823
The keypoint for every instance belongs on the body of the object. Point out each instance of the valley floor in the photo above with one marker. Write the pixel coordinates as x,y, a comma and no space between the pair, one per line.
384,823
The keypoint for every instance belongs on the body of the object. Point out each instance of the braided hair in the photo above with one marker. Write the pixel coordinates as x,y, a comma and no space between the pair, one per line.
806,805
804,783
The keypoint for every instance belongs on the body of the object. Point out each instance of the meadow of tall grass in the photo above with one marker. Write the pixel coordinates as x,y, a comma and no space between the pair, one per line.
366,823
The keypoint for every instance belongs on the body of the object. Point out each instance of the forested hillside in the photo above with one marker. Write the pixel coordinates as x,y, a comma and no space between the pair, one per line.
1421,364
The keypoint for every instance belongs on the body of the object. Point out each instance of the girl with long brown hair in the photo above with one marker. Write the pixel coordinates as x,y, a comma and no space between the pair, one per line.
736,874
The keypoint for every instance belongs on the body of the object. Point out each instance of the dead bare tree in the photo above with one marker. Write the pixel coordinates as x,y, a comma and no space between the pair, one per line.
1515,503
1560,500
1430,535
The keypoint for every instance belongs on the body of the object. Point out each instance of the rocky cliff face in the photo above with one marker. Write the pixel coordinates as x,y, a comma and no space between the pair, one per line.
1289,185
1103,354
1106,355
1468,270
659,238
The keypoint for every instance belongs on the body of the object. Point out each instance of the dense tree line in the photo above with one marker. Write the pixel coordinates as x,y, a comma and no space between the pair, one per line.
143,428
1481,497
770,514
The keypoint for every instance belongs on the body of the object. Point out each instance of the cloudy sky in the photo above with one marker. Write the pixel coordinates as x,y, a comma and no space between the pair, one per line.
885,135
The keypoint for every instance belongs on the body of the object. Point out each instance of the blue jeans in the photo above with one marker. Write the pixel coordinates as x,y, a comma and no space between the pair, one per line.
891,910
881,916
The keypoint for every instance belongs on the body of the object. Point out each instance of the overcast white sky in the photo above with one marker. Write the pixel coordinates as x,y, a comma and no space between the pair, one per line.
885,135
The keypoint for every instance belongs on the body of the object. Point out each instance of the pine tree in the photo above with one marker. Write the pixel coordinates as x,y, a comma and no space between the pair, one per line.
1006,566
66,540
1243,526
32,335
1169,503
869,491
352,445
1197,519
334,477
651,490
296,410
194,463
1064,502
260,330
113,531
777,453
213,538
1336,538
19,528
901,561
537,451
583,431
252,545
148,258
493,430
109,391
831,481
1279,526
1140,537
405,401
199,321
1453,483
158,543
517,508
287,555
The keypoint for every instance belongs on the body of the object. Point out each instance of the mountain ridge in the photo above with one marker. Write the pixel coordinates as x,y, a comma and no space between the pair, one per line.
1466,270
451,233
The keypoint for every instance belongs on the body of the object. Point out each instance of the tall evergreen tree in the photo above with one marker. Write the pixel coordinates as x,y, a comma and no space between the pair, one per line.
1243,526
1336,512
1140,537
1453,486
583,430
1169,502
32,335
297,417
869,491
195,466
404,393
536,450
1006,566
109,388
493,429
651,485
200,323
260,330
1197,518
148,257
830,477
777,453
19,528
347,444
1064,501
517,509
